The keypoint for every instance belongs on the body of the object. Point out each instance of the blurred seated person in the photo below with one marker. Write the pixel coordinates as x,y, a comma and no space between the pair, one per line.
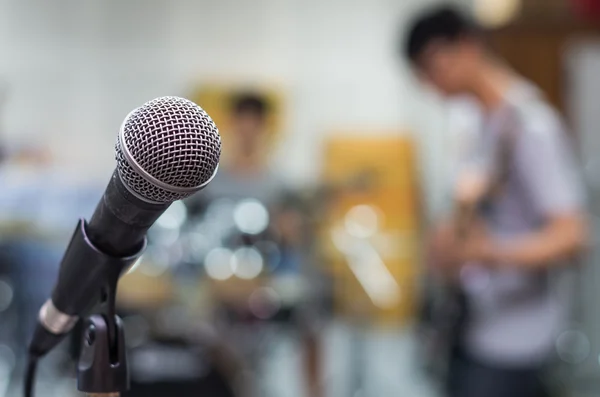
246,175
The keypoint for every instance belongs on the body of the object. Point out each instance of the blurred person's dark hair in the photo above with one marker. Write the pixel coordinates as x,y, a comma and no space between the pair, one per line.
445,23
447,49
249,103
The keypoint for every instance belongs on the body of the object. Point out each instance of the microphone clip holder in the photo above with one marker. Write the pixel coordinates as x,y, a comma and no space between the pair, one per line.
102,367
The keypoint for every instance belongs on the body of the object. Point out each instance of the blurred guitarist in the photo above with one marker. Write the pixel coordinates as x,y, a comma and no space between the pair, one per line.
518,221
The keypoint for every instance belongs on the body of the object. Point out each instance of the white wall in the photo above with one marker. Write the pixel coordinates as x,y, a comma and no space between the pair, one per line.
76,68
582,60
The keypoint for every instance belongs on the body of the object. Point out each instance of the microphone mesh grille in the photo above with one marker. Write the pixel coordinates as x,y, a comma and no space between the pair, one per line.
174,141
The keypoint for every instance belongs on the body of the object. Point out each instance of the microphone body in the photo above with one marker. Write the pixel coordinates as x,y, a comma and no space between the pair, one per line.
119,224
166,150
116,232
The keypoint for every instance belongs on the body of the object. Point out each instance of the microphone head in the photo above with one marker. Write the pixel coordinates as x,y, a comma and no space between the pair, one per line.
167,150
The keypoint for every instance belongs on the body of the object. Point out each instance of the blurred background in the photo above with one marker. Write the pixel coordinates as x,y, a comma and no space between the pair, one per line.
298,272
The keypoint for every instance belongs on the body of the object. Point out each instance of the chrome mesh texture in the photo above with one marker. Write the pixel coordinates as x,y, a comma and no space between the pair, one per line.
173,141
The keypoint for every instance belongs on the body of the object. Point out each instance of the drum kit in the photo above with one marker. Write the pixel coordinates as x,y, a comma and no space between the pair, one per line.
206,276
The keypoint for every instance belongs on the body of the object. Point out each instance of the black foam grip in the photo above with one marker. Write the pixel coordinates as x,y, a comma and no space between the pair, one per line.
84,272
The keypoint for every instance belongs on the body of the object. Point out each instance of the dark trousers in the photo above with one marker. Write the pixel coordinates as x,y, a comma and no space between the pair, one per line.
469,378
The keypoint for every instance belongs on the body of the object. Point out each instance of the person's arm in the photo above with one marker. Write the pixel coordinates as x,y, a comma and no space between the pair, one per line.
563,235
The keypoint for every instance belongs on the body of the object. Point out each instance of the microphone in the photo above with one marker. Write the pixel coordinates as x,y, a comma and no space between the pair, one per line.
166,150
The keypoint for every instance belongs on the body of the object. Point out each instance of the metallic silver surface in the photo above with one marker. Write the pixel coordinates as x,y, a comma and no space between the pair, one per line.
167,149
54,320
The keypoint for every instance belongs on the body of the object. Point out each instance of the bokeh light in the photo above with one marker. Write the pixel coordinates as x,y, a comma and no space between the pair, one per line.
573,346
6,295
247,263
496,13
218,263
362,221
251,216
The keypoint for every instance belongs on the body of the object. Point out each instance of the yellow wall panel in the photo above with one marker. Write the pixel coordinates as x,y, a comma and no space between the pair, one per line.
382,216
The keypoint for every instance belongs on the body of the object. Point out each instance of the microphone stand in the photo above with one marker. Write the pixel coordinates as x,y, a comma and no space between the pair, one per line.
102,368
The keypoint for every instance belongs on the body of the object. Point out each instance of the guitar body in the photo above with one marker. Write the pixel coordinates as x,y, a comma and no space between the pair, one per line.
446,311
443,320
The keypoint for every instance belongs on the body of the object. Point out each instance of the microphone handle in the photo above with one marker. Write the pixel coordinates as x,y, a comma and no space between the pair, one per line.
119,224
97,254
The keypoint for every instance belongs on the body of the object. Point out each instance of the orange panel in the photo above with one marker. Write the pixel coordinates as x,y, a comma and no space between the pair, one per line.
215,99
382,210
390,159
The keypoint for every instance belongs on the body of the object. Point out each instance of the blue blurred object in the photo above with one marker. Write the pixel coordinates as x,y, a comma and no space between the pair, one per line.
50,200
39,208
